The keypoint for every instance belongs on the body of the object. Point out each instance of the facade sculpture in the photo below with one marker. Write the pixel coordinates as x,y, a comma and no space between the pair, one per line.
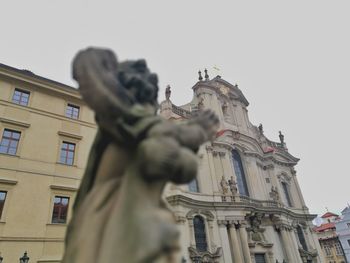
119,213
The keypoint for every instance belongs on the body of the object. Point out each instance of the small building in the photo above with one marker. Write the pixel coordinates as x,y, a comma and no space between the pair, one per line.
343,231
326,231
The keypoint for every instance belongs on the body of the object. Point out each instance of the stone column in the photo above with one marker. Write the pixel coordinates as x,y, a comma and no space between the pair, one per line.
245,246
213,176
294,244
224,241
235,246
286,244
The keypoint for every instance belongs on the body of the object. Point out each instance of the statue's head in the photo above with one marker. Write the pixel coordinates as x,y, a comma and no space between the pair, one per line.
140,83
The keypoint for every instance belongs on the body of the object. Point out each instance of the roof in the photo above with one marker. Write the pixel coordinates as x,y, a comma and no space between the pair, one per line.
329,214
325,227
30,74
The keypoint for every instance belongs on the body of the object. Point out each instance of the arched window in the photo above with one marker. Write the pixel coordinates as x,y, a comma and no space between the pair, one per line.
241,180
199,234
286,193
193,186
301,237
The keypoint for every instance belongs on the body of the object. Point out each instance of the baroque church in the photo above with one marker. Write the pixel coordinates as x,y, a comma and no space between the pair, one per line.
245,205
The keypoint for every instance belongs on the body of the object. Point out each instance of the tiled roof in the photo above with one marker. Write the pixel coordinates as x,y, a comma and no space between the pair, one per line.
325,227
329,214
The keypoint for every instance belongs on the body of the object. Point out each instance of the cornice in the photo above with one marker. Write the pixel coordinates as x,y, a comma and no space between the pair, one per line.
236,206
15,123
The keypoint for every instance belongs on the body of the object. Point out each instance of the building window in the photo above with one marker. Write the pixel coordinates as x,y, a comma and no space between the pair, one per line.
72,111
260,258
328,250
240,175
348,224
286,193
338,248
60,210
67,153
2,201
193,186
9,141
349,242
301,238
21,97
199,234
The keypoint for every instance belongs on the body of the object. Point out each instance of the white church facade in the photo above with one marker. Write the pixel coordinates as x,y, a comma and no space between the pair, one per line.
246,204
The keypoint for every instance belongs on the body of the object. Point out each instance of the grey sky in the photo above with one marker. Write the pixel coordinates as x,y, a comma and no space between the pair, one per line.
290,59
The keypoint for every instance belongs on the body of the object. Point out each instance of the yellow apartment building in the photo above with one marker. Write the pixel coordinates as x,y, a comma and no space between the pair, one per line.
45,135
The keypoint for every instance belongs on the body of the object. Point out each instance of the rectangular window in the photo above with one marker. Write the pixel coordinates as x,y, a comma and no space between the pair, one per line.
338,248
328,250
60,210
21,97
348,224
9,141
2,201
260,258
349,242
72,111
67,153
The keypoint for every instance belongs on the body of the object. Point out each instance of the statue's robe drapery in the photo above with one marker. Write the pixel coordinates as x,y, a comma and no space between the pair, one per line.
99,195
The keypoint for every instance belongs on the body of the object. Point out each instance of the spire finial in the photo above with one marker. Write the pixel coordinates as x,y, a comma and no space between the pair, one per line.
206,76
167,92
200,78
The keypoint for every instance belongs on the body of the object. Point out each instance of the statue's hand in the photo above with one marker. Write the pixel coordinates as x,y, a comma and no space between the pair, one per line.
208,121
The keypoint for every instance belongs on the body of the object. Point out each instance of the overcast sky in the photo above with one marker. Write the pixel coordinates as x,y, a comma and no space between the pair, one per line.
290,59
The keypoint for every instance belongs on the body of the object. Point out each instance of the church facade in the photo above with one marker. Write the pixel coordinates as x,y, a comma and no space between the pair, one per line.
245,204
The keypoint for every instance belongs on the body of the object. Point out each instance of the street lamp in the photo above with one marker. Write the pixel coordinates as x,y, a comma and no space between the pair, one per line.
24,259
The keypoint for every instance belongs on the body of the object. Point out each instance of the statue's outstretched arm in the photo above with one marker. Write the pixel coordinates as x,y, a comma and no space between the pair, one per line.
191,134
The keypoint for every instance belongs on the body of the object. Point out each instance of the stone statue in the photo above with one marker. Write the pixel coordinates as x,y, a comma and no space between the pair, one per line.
224,185
233,186
167,92
281,137
261,129
119,215
256,233
274,194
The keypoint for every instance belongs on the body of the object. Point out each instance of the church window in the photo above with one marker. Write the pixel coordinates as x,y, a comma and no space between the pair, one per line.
239,171
193,186
301,238
286,193
260,258
199,233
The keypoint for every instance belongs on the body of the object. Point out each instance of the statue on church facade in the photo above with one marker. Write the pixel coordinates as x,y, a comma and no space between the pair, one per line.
274,194
224,185
119,215
233,186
